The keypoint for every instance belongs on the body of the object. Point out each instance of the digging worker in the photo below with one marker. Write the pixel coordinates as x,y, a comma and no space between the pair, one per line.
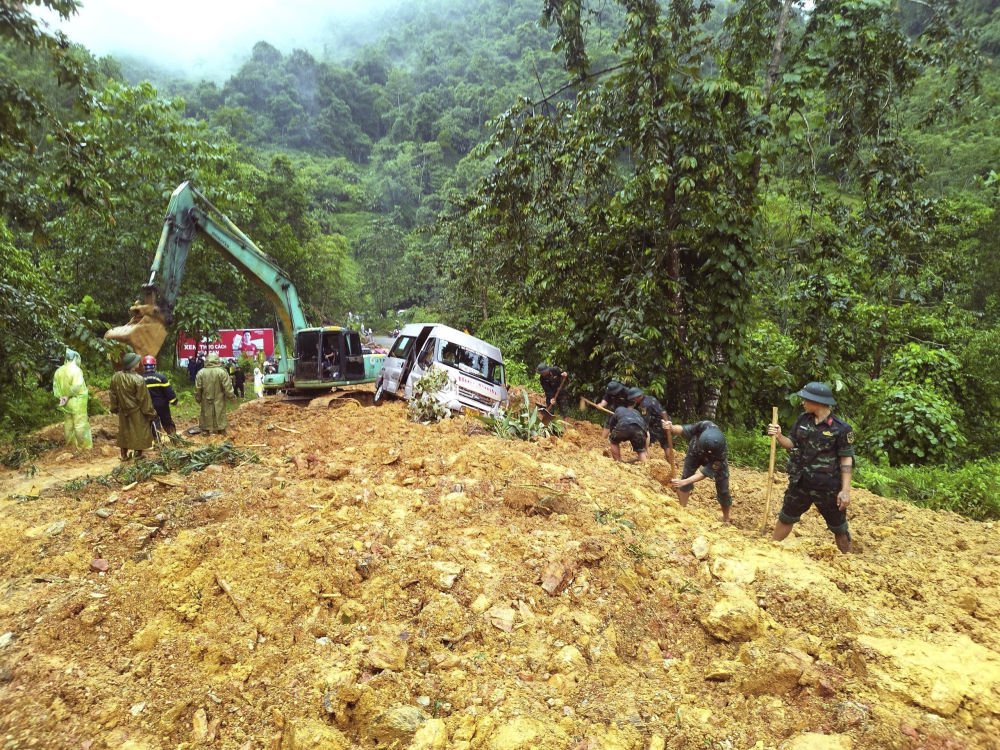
706,457
161,393
819,467
212,387
552,379
70,388
130,401
615,395
652,411
627,424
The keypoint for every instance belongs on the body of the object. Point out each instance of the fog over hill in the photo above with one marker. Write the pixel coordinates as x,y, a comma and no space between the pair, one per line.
212,39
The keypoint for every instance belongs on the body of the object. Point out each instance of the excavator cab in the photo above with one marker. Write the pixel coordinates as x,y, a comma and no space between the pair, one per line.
328,355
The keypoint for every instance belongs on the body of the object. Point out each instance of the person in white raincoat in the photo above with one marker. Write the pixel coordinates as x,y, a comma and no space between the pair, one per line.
258,383
69,387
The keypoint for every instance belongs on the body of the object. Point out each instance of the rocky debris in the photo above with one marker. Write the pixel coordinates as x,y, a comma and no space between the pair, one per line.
421,587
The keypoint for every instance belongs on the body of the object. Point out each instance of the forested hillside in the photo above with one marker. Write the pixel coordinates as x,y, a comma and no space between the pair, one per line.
718,202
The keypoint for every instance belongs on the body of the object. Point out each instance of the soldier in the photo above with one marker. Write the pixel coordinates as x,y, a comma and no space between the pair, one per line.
706,457
161,393
615,395
130,401
819,466
627,424
652,411
552,379
212,387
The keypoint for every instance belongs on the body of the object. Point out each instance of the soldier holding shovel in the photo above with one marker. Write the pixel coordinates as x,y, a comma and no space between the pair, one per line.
819,467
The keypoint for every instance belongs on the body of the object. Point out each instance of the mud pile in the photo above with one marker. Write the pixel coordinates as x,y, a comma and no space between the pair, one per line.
373,583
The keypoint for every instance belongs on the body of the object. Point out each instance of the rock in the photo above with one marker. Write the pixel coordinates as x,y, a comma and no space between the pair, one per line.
388,653
556,576
433,735
523,733
587,622
398,724
480,604
99,565
445,574
938,676
309,734
967,600
733,571
56,528
778,675
199,726
816,741
501,618
721,671
699,548
103,512
735,617
6,639
849,714
568,659
656,742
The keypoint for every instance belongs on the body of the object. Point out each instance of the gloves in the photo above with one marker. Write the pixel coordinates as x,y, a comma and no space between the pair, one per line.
63,400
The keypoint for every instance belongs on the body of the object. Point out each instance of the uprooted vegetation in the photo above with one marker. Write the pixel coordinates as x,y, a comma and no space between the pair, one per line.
374,582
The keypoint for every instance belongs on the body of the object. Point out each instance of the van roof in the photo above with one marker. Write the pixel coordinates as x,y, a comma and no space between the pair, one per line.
451,334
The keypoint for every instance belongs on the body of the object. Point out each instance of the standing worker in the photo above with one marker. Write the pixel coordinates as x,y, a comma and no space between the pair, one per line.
706,457
161,393
70,388
212,387
258,383
239,381
819,467
552,379
130,401
628,424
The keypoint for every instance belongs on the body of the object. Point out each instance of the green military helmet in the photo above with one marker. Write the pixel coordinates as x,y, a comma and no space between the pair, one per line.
820,393
633,393
542,367
712,441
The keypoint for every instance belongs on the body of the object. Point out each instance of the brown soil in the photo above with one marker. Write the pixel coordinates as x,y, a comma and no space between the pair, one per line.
378,583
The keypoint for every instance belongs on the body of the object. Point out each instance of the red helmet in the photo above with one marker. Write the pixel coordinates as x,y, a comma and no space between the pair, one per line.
149,362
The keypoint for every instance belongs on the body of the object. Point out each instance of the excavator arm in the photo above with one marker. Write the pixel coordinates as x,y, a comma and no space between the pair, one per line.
188,213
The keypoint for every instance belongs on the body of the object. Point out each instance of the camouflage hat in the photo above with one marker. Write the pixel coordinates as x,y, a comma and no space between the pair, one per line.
633,393
819,393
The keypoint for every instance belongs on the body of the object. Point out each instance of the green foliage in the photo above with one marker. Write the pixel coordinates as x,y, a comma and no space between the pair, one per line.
973,490
521,423
24,452
425,406
911,414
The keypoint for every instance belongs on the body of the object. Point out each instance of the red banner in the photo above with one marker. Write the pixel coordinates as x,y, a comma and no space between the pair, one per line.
229,343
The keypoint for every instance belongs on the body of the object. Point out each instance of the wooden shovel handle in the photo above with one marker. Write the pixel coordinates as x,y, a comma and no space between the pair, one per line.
595,406
770,468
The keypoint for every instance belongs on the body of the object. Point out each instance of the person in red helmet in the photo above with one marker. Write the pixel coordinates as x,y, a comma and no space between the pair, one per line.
161,393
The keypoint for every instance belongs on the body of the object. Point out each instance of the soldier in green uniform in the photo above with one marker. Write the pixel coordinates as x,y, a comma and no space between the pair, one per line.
706,458
212,386
615,395
130,401
652,411
819,467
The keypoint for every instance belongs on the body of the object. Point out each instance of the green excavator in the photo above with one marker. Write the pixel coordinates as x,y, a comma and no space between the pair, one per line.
323,358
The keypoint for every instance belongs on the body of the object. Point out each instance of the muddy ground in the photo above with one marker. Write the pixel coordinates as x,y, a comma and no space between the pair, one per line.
374,583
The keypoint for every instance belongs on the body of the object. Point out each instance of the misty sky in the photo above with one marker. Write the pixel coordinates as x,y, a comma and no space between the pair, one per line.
207,35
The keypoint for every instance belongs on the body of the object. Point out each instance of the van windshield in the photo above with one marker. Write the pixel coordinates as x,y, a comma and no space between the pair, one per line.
472,363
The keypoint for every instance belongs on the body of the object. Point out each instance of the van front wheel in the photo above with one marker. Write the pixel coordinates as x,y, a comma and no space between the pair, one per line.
379,392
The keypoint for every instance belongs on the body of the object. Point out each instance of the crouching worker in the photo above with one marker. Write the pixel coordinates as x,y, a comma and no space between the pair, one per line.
706,458
819,467
628,424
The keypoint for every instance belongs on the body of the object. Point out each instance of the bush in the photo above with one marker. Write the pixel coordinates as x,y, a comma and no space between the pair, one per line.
522,423
972,490
424,406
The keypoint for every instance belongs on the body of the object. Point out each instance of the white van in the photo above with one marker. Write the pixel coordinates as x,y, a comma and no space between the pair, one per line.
475,368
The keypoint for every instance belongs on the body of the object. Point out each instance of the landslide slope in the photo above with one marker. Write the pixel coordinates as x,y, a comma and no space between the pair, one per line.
374,583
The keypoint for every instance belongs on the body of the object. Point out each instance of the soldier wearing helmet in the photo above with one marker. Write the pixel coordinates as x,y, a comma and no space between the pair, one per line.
706,457
615,395
161,393
820,465
652,411
552,379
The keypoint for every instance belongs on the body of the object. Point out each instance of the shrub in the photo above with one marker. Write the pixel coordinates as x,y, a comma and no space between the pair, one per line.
424,406
523,423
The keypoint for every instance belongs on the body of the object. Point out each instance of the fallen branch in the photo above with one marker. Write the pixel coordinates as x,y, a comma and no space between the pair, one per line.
224,585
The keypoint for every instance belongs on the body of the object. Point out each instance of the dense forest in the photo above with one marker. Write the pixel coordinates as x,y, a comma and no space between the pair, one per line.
717,201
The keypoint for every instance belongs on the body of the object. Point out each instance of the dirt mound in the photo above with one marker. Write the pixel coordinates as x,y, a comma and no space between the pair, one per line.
377,583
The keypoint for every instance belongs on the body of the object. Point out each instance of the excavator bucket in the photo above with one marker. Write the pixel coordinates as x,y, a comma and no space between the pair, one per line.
145,331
